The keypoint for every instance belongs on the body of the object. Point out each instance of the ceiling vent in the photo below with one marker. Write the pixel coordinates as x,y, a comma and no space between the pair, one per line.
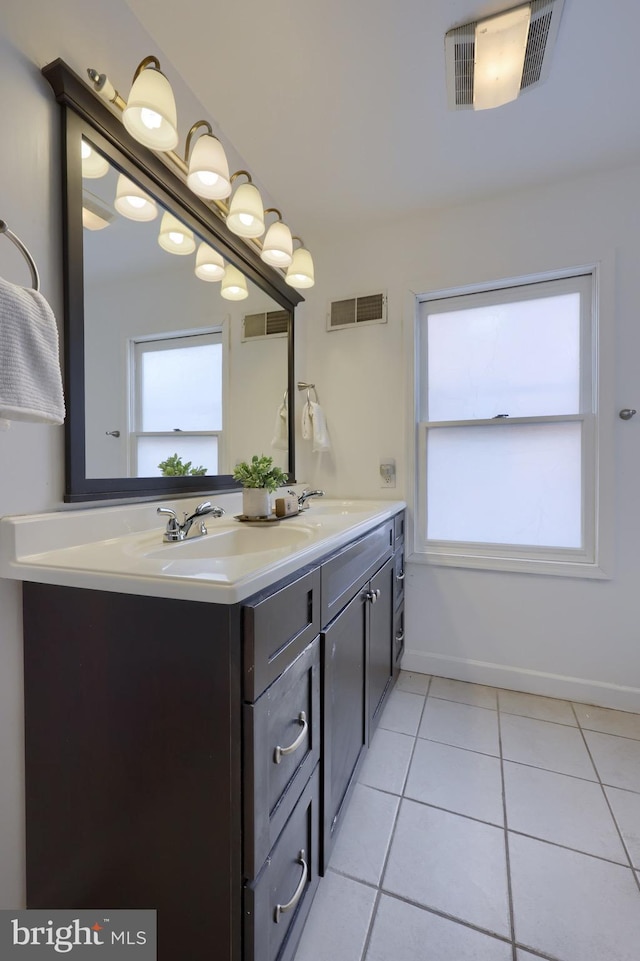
357,311
459,46
271,323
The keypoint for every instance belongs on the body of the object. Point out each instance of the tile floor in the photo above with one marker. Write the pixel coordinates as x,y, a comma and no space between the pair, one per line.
487,825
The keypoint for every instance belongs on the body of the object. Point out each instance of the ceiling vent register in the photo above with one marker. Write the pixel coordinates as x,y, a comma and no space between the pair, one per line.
268,324
460,53
357,311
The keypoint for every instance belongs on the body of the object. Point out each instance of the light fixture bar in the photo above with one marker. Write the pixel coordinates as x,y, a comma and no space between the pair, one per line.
500,46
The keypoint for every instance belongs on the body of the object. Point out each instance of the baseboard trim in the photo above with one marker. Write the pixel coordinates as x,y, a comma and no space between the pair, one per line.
600,693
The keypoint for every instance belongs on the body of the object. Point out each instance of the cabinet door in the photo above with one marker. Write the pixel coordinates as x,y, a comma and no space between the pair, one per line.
380,653
344,712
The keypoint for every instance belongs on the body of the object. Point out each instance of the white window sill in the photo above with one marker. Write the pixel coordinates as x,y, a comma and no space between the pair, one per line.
525,565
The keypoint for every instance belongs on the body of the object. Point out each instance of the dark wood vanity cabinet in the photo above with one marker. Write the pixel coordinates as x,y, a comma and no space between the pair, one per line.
197,758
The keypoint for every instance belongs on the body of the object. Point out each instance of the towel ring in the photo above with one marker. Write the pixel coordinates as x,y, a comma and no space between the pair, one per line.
302,385
35,278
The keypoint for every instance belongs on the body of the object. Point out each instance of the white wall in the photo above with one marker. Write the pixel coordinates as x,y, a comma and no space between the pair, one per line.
552,635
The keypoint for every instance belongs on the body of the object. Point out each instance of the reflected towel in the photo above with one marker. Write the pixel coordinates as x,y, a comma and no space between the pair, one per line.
30,378
314,426
281,430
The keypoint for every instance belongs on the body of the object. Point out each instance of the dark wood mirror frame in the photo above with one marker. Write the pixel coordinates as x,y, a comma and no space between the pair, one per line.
84,114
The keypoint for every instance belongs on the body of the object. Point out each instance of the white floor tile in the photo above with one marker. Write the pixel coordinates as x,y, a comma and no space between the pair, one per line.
450,863
338,923
401,932
361,847
387,762
626,810
607,721
554,747
402,712
531,705
616,758
461,725
412,682
462,691
461,781
573,906
561,809
526,956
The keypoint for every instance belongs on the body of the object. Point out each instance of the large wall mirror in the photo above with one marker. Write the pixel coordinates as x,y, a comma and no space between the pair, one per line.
159,365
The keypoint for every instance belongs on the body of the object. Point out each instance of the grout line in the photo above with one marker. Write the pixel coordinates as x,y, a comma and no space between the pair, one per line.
512,920
369,934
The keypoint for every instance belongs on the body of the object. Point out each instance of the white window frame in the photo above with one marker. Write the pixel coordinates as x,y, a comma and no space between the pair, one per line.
168,341
594,559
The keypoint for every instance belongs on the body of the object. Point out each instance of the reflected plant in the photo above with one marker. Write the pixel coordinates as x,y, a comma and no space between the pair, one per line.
173,466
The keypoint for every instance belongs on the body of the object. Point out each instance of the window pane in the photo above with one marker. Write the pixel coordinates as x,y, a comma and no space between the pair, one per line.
181,387
520,358
505,485
201,451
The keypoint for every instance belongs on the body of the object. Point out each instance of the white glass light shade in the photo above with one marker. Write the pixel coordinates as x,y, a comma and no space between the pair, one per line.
94,165
132,202
209,263
174,236
209,169
150,115
234,286
277,248
500,45
300,273
246,213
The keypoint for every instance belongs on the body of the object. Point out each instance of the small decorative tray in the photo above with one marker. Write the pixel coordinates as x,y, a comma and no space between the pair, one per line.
270,519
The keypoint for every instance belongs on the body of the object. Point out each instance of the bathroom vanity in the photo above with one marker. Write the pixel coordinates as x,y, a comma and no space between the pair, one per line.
195,753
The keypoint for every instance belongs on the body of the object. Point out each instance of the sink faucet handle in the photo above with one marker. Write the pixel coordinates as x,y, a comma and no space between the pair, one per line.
203,508
167,510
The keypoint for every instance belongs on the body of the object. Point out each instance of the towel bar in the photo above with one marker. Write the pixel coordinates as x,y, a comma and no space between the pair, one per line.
35,278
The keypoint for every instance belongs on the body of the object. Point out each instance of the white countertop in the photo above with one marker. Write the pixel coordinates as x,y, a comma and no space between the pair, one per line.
121,548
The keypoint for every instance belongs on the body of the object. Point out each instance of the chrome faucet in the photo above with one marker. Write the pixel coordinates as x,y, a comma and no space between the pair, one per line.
304,497
176,531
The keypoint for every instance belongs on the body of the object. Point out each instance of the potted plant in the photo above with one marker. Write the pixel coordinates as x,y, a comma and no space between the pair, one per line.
259,479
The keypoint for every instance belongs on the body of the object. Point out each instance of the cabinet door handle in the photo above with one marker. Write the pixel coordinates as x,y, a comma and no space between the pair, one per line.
280,752
297,894
399,637
373,595
400,576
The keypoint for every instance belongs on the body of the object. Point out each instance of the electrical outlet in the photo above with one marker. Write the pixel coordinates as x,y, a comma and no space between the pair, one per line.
387,472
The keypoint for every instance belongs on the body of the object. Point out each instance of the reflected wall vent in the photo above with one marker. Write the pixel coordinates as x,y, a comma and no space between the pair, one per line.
271,323
459,45
357,311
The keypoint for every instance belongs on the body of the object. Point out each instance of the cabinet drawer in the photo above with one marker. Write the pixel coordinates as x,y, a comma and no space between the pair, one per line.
398,528
398,582
281,749
278,901
345,573
277,629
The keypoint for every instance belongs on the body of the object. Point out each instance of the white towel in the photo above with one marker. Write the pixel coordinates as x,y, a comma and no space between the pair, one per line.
30,378
314,427
280,432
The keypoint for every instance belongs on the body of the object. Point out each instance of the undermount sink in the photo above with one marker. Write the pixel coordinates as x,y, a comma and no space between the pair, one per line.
232,542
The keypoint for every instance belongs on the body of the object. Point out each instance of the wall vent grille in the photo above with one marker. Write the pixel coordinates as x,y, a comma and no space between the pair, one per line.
460,50
271,323
357,311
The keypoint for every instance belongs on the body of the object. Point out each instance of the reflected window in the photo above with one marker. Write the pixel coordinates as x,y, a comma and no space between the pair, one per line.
178,415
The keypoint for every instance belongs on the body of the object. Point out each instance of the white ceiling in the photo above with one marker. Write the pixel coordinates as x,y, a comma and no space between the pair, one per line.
339,107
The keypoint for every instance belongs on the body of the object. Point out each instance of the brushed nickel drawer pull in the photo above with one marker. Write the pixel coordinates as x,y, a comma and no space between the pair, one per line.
373,595
297,894
400,576
280,752
399,637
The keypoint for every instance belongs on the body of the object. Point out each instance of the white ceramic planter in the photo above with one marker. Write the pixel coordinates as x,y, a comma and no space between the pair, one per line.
256,502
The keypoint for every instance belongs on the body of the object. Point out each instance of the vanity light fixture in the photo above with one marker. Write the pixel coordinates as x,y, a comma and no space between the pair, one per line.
132,202
208,170
500,46
300,273
174,236
234,285
209,263
277,246
94,165
246,213
150,114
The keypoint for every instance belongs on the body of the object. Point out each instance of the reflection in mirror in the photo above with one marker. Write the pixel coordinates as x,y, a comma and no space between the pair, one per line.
175,362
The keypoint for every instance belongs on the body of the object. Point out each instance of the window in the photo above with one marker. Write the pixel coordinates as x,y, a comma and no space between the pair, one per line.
507,465
178,402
